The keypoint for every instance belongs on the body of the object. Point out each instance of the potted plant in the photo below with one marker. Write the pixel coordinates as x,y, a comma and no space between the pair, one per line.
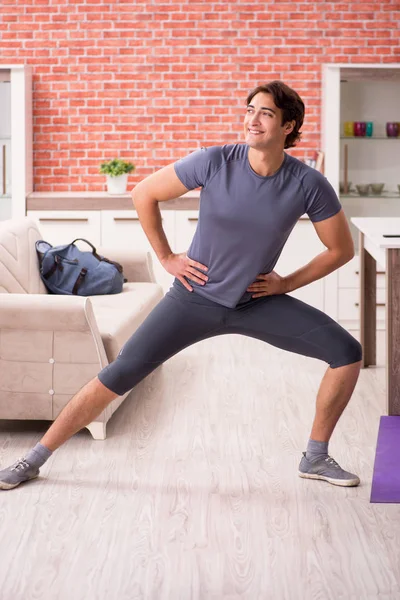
116,172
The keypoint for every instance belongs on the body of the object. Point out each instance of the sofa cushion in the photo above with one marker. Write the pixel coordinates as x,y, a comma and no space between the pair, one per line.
19,268
119,315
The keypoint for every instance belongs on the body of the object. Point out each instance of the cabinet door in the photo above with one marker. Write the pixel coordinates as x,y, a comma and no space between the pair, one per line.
5,148
63,226
349,274
349,308
123,229
185,224
301,247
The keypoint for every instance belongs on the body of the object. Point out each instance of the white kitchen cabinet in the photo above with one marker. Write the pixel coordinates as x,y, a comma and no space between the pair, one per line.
63,226
359,92
349,275
349,306
185,227
15,139
348,292
105,228
123,229
302,246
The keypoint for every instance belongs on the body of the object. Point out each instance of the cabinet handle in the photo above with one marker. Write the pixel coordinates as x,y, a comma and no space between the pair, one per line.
130,219
377,304
61,219
193,218
126,218
378,272
4,170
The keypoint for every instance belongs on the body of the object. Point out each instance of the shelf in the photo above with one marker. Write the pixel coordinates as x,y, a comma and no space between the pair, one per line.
365,137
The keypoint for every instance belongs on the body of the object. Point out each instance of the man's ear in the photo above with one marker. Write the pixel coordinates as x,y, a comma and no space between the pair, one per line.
290,125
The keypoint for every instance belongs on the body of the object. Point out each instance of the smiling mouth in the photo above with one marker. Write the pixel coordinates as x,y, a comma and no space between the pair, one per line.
255,132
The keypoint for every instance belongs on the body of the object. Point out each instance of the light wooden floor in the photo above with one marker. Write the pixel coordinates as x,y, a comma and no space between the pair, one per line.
195,494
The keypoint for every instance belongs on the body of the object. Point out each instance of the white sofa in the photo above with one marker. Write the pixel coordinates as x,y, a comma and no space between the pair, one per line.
51,345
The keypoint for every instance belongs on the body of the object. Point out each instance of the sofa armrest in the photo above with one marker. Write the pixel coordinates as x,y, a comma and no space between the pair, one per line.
51,312
137,264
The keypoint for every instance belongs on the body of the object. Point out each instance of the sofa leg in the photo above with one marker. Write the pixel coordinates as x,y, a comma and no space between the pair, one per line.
98,430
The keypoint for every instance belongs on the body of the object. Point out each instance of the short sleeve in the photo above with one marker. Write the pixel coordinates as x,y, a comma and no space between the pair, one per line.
321,201
193,170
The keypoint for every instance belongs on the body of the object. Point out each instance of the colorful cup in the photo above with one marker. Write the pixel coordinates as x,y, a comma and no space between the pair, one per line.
392,129
349,128
369,129
360,128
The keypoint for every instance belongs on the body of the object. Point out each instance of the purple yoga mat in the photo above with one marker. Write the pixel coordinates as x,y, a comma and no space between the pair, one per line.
386,477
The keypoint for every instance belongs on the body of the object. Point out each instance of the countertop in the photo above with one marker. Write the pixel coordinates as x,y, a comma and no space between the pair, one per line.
375,228
104,201
101,201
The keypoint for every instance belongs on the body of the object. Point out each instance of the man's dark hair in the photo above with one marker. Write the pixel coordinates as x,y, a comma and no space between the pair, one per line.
289,102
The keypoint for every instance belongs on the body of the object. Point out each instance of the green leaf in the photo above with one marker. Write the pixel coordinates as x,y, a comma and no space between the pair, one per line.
116,167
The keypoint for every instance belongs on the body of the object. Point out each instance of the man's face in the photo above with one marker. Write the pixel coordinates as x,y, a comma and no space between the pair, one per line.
262,123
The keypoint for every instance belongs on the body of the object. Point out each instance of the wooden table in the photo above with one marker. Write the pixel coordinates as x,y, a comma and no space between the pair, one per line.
376,246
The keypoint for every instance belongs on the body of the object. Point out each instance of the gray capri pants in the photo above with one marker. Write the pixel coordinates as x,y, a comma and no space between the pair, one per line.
183,318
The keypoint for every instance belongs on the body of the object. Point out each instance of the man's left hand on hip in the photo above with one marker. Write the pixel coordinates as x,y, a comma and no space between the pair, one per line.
270,284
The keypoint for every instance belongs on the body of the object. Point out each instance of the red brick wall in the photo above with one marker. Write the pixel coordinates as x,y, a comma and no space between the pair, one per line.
150,81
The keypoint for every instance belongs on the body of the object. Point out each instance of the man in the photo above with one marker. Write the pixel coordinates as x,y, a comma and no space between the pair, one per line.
252,196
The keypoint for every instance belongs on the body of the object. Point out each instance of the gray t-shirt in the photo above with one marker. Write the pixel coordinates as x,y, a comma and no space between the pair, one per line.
245,218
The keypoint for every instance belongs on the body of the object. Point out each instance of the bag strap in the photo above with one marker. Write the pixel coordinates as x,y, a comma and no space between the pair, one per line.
79,280
87,241
101,258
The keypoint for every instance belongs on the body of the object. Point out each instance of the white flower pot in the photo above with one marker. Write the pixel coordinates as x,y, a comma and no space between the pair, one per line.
117,185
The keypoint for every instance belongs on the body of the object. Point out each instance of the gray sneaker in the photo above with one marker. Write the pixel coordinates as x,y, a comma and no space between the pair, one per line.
18,472
328,470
